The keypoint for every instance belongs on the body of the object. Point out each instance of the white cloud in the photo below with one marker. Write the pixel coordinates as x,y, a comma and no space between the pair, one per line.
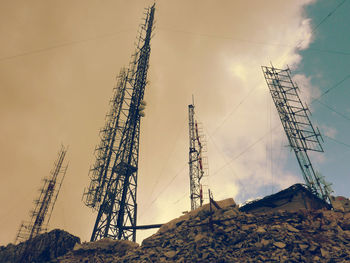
214,51
307,91
232,98
328,131
305,35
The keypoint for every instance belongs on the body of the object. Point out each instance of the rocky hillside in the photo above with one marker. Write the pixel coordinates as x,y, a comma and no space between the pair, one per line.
227,235
42,248
223,235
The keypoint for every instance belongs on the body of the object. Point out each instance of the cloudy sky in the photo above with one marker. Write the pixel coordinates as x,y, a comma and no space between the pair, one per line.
58,63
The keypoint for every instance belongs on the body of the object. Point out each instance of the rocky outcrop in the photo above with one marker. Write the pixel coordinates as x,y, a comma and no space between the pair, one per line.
340,203
223,233
294,198
105,249
233,236
41,248
229,235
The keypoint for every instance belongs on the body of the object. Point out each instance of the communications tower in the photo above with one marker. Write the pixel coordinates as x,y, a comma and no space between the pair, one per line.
113,186
44,205
197,162
300,132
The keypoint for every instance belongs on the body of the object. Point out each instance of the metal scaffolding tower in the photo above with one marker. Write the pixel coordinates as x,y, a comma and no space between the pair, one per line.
112,190
197,162
301,135
44,205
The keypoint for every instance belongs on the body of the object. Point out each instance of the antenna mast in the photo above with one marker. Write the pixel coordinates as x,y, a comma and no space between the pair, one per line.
45,203
197,163
301,135
112,190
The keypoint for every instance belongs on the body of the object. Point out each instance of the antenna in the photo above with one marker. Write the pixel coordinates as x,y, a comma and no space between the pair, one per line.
43,208
113,185
44,205
198,164
301,134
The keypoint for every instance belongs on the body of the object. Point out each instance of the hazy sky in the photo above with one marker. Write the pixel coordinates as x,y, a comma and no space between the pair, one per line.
58,63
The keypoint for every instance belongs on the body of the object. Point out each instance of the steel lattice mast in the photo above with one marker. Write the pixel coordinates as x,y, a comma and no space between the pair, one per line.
113,186
196,161
300,132
44,205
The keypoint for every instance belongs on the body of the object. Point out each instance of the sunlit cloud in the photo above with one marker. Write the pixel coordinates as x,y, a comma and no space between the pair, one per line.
213,52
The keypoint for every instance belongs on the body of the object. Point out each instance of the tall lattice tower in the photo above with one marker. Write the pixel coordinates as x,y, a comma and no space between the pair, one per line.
41,215
301,134
198,163
113,186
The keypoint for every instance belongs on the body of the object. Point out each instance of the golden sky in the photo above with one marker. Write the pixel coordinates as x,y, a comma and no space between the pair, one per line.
58,63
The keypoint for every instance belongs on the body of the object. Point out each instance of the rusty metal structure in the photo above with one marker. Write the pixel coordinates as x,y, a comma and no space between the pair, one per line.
301,134
113,186
44,205
197,161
